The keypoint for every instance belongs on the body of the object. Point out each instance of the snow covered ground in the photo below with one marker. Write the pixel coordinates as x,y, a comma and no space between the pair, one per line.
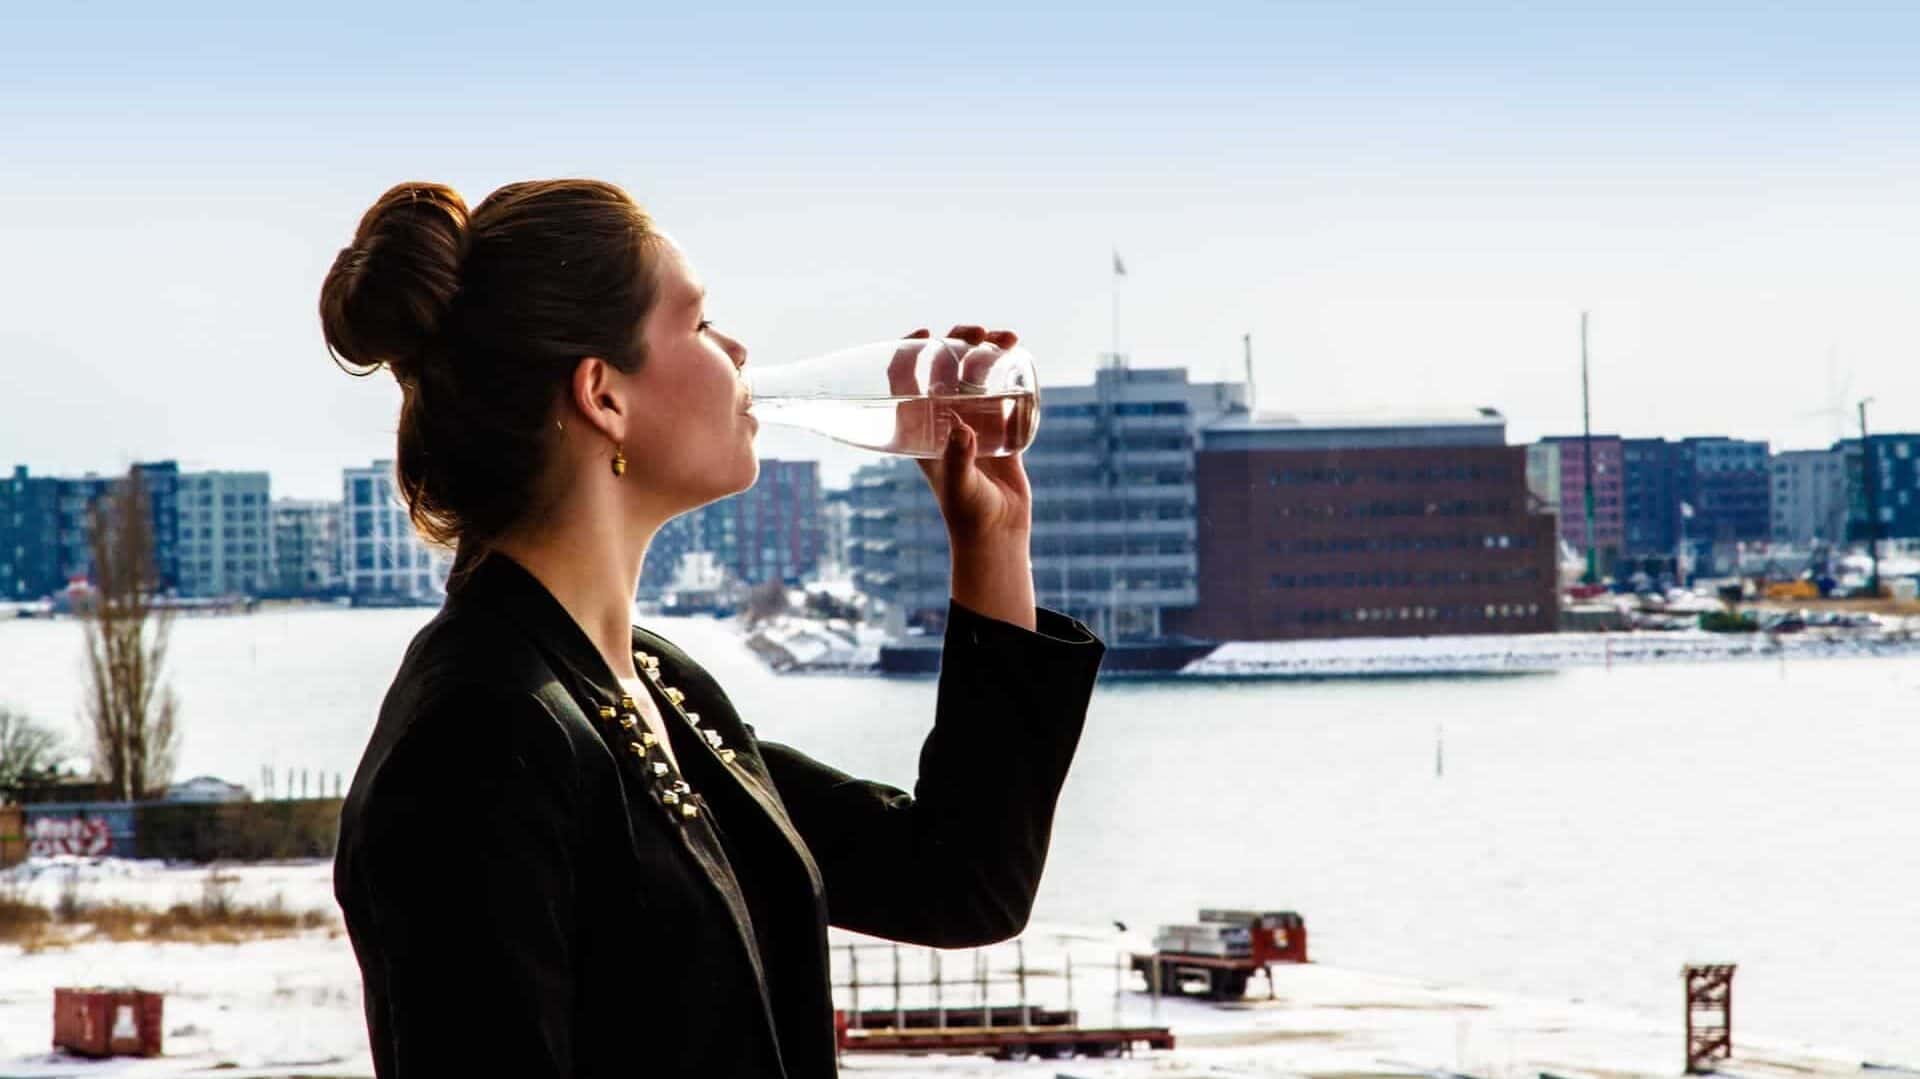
291,1006
299,886
789,644
1530,652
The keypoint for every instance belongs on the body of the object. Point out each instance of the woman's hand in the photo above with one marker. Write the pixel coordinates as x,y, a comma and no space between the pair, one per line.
986,501
980,497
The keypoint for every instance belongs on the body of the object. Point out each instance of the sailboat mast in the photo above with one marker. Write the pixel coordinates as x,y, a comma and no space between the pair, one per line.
1586,452
1246,344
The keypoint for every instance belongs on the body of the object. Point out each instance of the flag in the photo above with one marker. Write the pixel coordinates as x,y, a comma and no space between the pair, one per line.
1119,268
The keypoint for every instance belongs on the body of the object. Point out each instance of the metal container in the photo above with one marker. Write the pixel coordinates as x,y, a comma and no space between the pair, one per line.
1269,919
1213,939
1234,917
107,1022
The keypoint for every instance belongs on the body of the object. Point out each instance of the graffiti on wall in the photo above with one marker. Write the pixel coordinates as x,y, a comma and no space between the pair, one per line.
51,836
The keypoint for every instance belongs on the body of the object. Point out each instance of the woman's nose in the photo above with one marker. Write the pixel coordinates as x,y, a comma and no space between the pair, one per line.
736,351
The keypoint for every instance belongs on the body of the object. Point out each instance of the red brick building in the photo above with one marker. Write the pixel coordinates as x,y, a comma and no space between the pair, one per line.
1367,530
1609,502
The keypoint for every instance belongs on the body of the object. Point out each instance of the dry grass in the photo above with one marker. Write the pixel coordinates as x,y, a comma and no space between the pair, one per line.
215,919
22,921
192,923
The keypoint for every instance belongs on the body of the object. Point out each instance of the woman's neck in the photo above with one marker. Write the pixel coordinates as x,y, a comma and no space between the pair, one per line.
593,569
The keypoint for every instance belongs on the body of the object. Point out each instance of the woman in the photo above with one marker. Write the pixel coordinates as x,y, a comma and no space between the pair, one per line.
563,853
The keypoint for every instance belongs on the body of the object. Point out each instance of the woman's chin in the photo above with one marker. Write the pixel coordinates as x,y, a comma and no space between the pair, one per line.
751,472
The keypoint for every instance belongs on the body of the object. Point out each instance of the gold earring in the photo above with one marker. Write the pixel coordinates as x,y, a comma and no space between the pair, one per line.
619,460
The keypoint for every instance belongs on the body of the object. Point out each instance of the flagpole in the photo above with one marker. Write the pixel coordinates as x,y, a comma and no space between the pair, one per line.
1115,478
1586,454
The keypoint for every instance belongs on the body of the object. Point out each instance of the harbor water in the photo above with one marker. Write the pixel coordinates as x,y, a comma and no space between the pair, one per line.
1577,835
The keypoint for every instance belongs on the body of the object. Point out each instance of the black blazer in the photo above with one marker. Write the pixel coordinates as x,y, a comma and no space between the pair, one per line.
532,892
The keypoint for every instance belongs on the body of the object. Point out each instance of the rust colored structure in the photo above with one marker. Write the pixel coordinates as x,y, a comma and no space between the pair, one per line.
1014,1030
13,835
107,1022
1368,531
1002,1042
1709,1016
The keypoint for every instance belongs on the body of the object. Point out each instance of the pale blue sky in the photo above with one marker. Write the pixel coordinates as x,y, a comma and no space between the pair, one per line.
1407,207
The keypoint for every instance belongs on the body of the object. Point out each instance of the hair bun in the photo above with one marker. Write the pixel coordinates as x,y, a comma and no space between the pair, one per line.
388,293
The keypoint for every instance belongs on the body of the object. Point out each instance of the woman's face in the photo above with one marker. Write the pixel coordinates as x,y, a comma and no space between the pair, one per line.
691,441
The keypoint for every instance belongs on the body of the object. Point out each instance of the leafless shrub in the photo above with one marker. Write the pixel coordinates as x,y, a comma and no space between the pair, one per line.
28,751
130,709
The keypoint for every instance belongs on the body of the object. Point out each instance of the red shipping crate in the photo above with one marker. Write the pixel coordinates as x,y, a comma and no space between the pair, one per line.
107,1022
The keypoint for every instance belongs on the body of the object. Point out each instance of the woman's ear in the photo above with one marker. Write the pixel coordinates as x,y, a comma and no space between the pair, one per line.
599,397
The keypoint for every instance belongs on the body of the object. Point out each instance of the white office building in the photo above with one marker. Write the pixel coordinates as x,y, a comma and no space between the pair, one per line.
1114,529
1808,497
383,560
1543,476
224,541
836,513
306,547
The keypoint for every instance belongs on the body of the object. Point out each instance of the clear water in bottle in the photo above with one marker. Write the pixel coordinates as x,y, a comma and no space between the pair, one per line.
910,426
901,396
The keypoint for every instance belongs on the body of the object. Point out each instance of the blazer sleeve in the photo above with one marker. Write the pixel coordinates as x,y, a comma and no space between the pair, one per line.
470,860
957,862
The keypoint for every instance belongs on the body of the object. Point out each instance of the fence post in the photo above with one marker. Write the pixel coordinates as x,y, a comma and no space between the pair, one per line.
899,1010
939,992
1071,1018
980,967
1026,1011
853,980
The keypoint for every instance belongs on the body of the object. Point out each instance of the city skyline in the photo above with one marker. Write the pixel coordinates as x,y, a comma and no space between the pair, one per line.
837,463
1406,208
1141,480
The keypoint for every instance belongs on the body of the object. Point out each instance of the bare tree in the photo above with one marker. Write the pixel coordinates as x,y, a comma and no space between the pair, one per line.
128,703
28,751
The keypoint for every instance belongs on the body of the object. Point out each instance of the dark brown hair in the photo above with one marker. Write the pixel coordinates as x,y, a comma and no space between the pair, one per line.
482,319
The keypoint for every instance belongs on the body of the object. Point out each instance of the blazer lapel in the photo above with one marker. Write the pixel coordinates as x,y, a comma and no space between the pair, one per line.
715,713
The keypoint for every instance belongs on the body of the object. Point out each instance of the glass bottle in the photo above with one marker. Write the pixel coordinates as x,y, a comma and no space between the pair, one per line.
900,396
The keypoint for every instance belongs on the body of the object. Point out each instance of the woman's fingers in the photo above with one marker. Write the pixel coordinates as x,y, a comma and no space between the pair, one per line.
975,365
943,373
901,380
957,371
